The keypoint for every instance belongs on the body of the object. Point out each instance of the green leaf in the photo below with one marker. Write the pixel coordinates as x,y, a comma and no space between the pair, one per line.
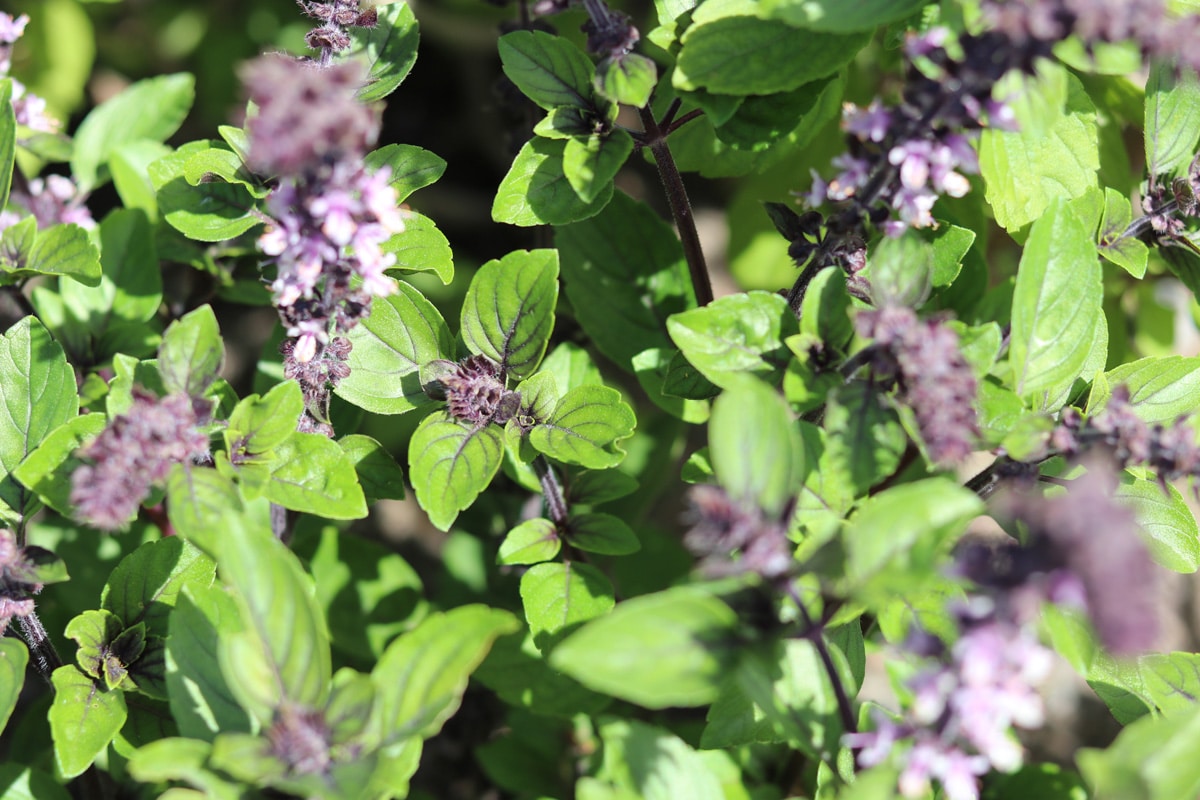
729,49
144,586
65,250
1172,680
217,163
403,333
260,424
548,69
131,285
865,439
517,671
673,384
202,702
758,457
47,470
649,763
311,474
378,473
670,648
8,139
360,579
531,542
508,313
208,212
411,167
95,632
624,273
149,109
191,353
389,50
196,500
1172,117
628,78
564,122
591,163
421,247
450,464
283,655
741,333
1161,389
560,597
1167,525
1127,252
14,657
39,396
83,719
825,310
840,16
19,782
1056,305
130,165
1154,758
1025,171
762,120
899,537
901,271
586,426
536,190
421,676
601,533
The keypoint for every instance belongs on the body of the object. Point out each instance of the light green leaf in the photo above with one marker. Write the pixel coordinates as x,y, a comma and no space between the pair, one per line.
508,313
65,250
39,396
825,310
627,79
587,424
1127,252
840,16
864,437
144,586
1171,680
389,50
1056,305
311,474
378,473
536,190
591,163
403,333
149,109
83,719
131,285
560,597
758,457
670,648
14,657
196,500
421,247
548,69
191,353
1154,758
1172,117
531,542
1167,525
411,167
741,333
1025,171
1161,389
649,763
421,676
8,139
450,464
207,212
47,470
260,424
901,271
601,533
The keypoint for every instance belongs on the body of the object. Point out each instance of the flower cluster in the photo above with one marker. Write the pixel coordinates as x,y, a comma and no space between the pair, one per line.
964,705
329,217
134,454
29,108
721,528
923,357
1169,450
331,37
18,580
52,200
473,389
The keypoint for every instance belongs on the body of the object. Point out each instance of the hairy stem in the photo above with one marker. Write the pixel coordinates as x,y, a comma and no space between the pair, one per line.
552,491
681,208
45,656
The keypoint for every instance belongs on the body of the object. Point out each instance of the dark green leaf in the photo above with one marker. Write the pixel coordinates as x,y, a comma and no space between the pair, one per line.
564,122
666,649
587,425
531,542
95,632
149,109
508,313
311,474
536,190
600,486
825,310
403,333
548,69
901,271
1172,117
39,395
191,353
624,273
389,50
83,719
378,473
411,167
864,437
19,782
628,78
145,585
421,676
560,597
762,120
591,163
421,247
601,533
1056,305
65,250
450,464
758,457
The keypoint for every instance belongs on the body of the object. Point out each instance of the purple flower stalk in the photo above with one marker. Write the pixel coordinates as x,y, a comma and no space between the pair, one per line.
934,379
474,390
731,538
134,454
29,108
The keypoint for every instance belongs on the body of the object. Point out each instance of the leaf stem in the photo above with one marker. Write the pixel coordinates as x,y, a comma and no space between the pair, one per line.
556,500
681,208
45,656
815,633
